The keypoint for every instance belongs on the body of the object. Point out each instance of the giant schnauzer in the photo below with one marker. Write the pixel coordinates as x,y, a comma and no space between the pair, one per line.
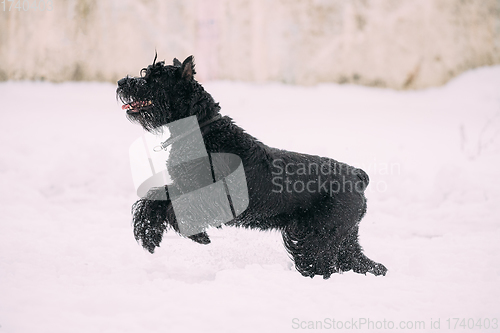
316,202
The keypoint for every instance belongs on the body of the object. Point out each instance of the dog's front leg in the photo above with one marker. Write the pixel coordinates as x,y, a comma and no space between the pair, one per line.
201,238
153,215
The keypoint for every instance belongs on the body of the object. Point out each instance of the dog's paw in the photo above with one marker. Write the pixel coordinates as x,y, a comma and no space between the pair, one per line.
372,267
201,238
378,269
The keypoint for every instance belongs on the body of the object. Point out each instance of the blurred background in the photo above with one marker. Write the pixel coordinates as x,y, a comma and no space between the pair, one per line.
402,44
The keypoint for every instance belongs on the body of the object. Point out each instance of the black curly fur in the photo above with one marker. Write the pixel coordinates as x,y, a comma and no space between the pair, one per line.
320,229
150,218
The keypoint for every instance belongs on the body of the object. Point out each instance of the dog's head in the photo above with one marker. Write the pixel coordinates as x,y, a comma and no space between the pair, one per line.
163,94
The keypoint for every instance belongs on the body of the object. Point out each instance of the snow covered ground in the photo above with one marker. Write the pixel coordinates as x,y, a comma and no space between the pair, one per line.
69,262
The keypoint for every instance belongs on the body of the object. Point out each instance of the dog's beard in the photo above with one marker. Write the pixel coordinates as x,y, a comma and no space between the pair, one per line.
144,111
151,120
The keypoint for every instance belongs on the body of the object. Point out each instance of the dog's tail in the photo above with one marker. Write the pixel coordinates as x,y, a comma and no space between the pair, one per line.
363,176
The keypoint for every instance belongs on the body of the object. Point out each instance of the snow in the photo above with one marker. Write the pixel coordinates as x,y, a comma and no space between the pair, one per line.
69,262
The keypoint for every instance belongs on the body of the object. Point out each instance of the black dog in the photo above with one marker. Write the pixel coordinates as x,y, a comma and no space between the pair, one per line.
316,202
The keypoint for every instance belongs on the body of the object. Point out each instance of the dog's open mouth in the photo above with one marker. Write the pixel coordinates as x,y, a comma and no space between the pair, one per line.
136,106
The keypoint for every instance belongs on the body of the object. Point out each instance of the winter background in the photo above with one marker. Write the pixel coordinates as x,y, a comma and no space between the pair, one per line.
69,261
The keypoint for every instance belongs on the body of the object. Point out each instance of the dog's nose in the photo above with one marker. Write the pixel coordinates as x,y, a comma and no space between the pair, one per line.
122,82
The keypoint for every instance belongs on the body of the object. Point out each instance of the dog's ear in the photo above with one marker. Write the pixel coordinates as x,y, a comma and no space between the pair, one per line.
177,63
187,68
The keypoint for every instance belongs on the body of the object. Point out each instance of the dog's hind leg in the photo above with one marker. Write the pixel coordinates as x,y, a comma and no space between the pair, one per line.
315,239
351,257
312,247
302,242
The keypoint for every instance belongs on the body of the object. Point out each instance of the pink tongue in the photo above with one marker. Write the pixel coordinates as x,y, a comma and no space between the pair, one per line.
126,106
